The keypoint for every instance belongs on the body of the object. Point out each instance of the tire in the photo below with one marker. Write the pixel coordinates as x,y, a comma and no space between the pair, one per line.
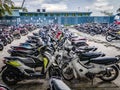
67,73
54,72
9,41
18,36
109,38
106,76
11,38
1,47
4,43
3,87
9,76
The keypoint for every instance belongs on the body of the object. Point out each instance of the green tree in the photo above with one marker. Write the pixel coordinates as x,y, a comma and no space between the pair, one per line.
5,6
24,9
107,13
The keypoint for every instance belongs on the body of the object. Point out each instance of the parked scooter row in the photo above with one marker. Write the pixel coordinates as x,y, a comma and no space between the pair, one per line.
111,32
8,34
59,53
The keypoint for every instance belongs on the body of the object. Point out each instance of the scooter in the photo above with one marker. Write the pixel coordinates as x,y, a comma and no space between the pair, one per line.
16,70
56,83
112,36
102,67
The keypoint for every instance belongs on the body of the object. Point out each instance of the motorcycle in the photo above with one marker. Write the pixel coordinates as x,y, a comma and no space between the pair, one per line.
105,68
16,34
17,69
112,36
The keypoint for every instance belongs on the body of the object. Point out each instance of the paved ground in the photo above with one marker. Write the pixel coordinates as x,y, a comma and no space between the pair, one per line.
108,48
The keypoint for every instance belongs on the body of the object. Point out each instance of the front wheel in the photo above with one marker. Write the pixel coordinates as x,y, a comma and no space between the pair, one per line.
9,76
109,38
54,72
67,73
111,74
1,47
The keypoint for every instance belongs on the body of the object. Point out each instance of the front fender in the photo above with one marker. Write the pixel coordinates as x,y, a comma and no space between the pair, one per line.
117,66
2,69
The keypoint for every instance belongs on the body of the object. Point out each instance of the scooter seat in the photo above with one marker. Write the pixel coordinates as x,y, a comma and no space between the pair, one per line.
92,54
104,60
22,48
88,48
23,52
33,37
78,44
59,85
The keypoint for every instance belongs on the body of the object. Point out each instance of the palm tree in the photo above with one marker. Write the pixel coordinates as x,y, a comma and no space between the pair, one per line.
5,6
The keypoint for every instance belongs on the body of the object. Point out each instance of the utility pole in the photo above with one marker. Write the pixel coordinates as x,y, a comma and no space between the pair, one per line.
22,3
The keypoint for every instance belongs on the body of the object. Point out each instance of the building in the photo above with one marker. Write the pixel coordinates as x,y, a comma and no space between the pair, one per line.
66,18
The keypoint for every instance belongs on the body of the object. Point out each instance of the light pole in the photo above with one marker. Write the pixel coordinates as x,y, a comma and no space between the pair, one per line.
22,3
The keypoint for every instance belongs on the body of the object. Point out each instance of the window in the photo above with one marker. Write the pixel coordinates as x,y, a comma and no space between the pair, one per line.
51,14
66,14
26,14
35,14
73,14
80,14
46,14
41,14
57,14
8,21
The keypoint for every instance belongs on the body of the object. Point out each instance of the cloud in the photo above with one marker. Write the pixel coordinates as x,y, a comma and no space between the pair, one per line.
97,4
52,1
54,7
105,8
18,3
101,5
28,2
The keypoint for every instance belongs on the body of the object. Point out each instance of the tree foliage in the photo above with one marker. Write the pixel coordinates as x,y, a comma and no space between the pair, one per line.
107,13
24,9
5,6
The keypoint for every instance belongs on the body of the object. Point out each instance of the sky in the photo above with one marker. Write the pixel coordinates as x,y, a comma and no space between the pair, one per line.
95,6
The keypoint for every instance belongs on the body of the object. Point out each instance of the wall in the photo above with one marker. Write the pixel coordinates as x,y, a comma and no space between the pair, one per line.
61,20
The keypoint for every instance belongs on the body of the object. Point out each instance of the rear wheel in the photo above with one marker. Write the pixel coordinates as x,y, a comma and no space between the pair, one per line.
111,74
67,73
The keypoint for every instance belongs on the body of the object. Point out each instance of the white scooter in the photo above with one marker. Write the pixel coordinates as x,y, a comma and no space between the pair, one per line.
105,68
